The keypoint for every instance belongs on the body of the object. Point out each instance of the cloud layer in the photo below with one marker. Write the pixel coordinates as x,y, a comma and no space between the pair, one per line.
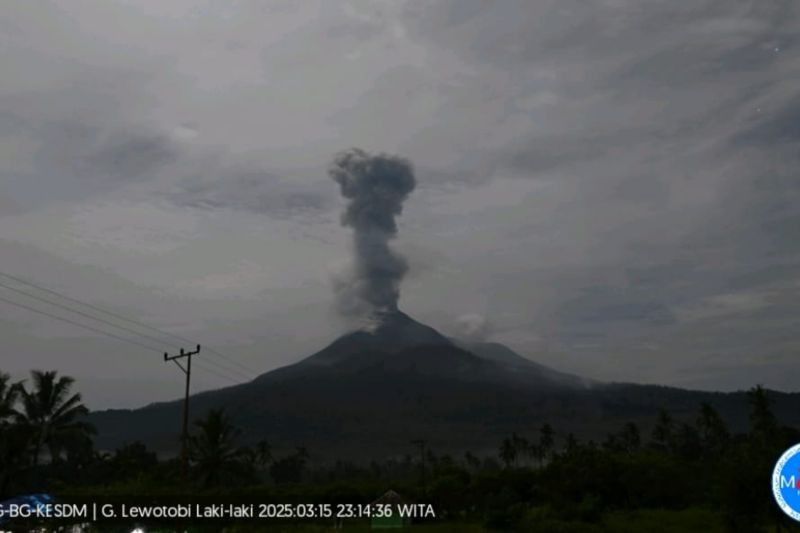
612,184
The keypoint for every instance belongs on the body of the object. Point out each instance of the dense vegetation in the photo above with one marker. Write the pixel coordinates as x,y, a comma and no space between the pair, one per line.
681,476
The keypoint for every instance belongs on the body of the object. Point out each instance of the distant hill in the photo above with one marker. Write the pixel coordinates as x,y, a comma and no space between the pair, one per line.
371,391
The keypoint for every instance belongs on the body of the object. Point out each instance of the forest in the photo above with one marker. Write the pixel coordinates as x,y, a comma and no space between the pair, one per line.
693,475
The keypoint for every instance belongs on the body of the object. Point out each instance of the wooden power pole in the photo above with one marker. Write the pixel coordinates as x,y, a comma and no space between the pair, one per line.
185,430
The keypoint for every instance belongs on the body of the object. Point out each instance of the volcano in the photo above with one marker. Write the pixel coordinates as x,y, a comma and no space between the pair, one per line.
392,344
372,390
394,379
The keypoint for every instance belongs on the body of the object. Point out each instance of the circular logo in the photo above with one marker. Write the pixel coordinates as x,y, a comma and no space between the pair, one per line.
786,482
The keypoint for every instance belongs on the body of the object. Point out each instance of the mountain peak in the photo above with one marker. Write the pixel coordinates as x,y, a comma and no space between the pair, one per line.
383,331
392,341
397,327
397,330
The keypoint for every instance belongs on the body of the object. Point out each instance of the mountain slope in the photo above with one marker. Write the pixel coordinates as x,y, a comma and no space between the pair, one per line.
505,356
371,391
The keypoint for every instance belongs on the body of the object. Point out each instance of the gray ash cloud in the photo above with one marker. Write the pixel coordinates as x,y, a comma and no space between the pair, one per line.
375,187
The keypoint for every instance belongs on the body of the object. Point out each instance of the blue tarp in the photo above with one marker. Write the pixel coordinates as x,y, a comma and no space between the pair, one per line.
28,499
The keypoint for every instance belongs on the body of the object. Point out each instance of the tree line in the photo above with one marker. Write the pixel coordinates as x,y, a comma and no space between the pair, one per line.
538,480
44,436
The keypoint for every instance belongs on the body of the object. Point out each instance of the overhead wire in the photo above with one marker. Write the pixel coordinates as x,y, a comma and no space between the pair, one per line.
108,334
74,323
102,320
87,315
248,373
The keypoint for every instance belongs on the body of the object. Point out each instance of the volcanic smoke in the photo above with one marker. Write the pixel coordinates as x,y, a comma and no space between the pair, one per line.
375,187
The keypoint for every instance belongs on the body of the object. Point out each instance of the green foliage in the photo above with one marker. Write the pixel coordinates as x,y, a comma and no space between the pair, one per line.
9,393
290,469
133,460
663,436
508,452
546,438
213,452
692,474
14,457
764,425
53,415
627,440
714,435
14,438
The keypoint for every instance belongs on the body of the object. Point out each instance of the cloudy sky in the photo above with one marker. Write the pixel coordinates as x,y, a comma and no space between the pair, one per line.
609,187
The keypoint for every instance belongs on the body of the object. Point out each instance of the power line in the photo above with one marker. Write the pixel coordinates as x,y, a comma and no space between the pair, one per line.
85,326
106,333
102,320
219,372
249,372
240,375
210,383
87,315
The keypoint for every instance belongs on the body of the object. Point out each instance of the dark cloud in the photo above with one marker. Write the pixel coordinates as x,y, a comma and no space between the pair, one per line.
128,156
219,186
94,152
71,159
70,135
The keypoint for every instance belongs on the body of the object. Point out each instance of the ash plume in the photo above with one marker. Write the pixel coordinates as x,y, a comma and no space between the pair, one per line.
375,187
473,327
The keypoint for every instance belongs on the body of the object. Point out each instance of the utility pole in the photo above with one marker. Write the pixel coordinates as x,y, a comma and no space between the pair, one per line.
421,444
185,431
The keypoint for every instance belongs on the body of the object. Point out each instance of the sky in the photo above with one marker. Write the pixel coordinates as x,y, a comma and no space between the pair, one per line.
610,188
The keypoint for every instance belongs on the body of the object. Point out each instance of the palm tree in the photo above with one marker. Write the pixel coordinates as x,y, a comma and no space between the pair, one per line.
712,429
13,437
263,453
546,438
14,457
571,444
258,457
536,452
290,469
472,462
212,448
663,436
9,394
763,424
508,452
52,414
630,438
